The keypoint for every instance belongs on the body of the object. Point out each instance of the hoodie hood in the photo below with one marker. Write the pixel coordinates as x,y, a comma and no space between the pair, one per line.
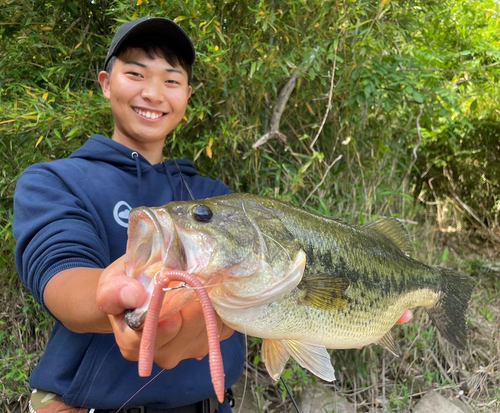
103,149
176,174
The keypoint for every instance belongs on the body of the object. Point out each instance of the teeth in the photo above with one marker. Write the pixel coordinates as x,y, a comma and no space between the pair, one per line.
148,114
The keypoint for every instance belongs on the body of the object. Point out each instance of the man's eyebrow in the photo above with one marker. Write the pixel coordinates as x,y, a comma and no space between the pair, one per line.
168,70
171,69
133,62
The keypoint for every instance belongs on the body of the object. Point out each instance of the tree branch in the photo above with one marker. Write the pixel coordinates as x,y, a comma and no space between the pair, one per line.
278,110
414,152
330,95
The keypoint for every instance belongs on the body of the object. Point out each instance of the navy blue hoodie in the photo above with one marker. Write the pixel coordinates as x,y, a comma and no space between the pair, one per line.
72,213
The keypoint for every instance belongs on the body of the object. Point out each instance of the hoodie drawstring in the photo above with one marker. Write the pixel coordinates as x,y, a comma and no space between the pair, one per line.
135,156
181,177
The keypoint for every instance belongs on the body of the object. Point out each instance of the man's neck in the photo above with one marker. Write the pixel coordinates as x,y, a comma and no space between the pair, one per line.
152,151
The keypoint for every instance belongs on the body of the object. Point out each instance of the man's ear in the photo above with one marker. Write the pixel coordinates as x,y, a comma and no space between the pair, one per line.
190,89
103,79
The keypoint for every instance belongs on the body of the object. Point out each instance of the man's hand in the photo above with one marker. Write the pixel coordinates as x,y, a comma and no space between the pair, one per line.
180,336
405,317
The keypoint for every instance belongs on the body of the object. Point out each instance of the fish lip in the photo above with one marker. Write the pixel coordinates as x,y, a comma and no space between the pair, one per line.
152,245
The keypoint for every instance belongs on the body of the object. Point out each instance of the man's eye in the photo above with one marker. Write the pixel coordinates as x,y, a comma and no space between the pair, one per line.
133,73
173,82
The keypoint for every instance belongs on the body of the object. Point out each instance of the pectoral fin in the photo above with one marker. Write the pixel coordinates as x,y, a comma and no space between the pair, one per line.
388,343
324,291
312,357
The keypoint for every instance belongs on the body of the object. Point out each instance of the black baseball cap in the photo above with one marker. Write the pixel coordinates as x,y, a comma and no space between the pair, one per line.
158,27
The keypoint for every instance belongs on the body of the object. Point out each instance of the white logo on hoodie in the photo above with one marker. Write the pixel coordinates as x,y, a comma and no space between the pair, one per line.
121,212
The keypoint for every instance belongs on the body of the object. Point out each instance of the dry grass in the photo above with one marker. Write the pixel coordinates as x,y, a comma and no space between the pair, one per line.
25,329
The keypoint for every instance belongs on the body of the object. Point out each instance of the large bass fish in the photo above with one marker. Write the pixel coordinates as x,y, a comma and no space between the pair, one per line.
301,281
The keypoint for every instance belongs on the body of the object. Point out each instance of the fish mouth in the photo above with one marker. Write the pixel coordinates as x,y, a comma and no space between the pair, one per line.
153,244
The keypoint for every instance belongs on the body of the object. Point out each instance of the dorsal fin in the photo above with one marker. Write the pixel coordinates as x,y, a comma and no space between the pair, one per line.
394,230
324,291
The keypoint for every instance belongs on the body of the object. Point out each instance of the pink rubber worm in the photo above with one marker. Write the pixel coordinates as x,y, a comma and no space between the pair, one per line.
151,324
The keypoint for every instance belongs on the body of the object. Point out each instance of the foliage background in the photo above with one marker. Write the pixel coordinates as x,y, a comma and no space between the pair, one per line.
393,111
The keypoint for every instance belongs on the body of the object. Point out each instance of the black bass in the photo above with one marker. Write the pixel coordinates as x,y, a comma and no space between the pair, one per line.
301,281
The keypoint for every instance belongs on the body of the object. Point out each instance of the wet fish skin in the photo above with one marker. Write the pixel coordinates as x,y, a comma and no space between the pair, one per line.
305,282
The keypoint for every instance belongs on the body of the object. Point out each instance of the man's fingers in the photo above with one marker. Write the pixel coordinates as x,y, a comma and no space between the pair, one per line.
120,293
116,292
405,317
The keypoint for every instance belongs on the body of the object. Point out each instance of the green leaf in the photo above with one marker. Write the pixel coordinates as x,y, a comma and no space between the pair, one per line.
418,96
72,132
252,68
181,18
444,257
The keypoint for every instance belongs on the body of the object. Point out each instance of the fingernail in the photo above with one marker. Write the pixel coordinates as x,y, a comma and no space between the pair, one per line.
128,297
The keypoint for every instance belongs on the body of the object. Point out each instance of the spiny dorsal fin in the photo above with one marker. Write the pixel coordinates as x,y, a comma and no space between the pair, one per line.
394,230
388,343
324,291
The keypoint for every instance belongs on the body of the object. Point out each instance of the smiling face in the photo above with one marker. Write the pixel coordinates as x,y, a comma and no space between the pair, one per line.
148,98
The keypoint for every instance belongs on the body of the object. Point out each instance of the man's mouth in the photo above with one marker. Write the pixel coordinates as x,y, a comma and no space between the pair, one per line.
148,113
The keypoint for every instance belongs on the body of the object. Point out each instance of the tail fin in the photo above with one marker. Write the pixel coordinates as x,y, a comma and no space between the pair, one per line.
448,314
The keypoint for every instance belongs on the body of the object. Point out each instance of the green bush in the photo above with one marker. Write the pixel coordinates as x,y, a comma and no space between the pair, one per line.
389,102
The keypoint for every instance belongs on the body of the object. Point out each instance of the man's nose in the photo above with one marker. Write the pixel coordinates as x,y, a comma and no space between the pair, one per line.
153,91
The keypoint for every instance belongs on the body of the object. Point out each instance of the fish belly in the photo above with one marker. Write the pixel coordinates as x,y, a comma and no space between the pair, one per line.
357,325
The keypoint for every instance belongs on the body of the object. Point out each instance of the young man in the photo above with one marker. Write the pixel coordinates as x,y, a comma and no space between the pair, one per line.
70,224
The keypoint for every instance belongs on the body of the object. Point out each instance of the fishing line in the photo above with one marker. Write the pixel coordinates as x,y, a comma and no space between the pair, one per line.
189,287
290,394
170,288
180,174
279,244
246,370
96,373
139,390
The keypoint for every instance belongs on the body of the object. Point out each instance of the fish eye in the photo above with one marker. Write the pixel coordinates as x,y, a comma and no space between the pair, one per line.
202,213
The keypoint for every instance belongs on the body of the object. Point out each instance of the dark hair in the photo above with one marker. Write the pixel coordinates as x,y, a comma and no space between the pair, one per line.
154,47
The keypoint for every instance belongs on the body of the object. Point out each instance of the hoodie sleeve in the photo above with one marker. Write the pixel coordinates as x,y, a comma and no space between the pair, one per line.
53,231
